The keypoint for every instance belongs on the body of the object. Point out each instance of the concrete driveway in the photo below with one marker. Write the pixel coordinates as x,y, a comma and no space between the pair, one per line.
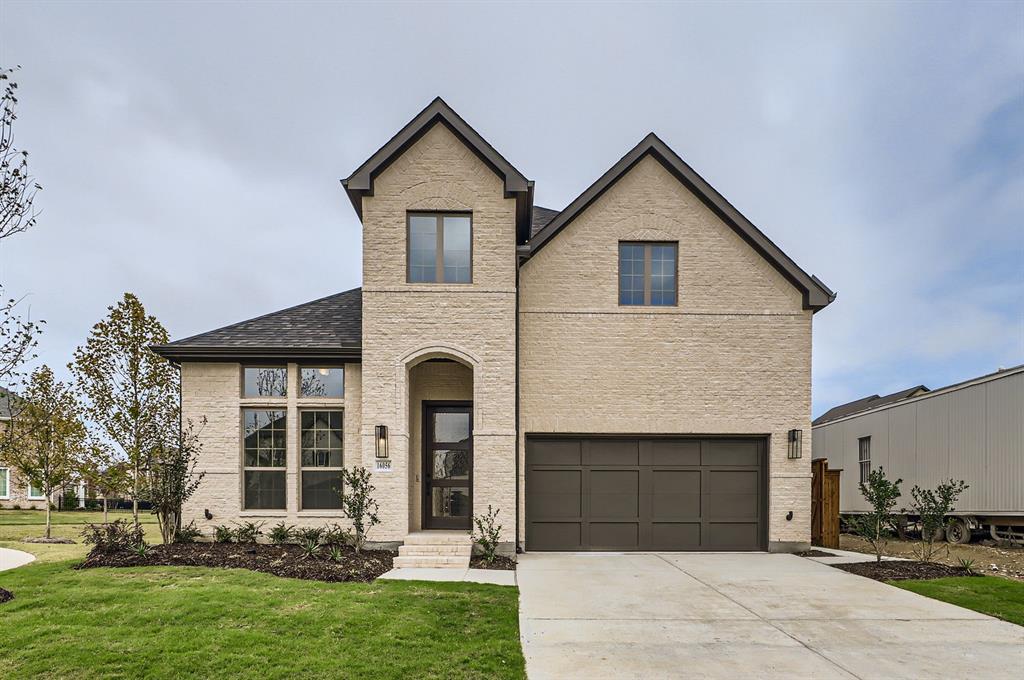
744,616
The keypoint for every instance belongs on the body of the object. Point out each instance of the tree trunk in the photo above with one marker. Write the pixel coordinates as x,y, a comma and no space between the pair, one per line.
135,494
47,516
105,509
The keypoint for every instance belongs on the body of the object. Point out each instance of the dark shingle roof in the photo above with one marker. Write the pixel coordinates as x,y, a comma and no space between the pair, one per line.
541,217
328,327
865,403
6,399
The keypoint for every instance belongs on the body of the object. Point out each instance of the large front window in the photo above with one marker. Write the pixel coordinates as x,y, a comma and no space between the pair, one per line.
321,458
264,459
647,273
440,248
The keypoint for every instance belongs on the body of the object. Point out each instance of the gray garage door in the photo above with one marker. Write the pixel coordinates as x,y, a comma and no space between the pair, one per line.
645,494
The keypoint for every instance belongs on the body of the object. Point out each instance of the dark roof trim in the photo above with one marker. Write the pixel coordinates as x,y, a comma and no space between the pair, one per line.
360,182
197,353
816,294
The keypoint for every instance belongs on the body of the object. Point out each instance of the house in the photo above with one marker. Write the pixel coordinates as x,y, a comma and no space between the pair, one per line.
15,488
631,372
972,430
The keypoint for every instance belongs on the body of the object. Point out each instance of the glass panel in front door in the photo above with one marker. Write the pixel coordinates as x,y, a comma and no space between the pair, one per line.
449,501
451,428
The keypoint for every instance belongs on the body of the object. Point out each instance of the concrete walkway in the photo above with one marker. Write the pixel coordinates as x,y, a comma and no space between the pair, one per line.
744,616
498,577
9,559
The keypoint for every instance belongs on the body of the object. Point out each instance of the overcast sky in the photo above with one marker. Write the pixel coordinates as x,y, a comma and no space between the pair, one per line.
191,152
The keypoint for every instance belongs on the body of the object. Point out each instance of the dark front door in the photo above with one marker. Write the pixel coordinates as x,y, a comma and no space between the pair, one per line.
447,465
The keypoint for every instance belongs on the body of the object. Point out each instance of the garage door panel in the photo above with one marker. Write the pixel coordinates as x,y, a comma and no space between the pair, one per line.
676,494
556,493
555,452
675,535
730,506
615,535
556,536
730,452
612,452
675,452
731,536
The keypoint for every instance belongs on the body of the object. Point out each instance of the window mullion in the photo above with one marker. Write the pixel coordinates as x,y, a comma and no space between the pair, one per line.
440,249
647,274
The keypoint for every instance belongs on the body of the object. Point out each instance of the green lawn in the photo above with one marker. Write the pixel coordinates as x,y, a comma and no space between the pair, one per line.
228,623
18,524
999,597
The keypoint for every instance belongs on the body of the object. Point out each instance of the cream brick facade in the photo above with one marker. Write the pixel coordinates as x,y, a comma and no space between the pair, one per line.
734,357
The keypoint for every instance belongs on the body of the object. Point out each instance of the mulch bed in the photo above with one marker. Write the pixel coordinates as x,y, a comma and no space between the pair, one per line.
5,596
42,539
814,553
900,571
279,560
499,563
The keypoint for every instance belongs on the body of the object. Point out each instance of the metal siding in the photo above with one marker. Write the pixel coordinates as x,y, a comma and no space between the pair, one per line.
902,439
967,445
1004,451
932,443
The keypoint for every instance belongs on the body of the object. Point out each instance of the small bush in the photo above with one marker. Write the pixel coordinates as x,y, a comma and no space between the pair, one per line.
248,532
933,507
188,533
310,548
336,535
223,534
967,565
487,534
142,549
310,534
337,554
281,533
116,537
17,506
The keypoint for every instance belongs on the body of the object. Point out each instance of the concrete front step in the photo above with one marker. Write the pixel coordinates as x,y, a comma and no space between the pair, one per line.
439,538
435,562
435,550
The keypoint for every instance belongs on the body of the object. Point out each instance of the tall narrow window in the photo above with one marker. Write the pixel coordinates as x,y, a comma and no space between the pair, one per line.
5,483
864,458
440,248
263,459
648,274
321,459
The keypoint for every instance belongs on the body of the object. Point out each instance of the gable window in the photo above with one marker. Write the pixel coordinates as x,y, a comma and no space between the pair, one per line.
5,483
322,382
263,459
647,273
439,248
321,458
265,381
864,458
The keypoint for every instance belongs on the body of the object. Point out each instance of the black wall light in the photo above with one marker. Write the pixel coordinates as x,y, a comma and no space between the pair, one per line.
795,440
381,435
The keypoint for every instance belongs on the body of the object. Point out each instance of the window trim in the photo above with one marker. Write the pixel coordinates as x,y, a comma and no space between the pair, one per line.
6,473
246,468
439,253
318,468
259,397
864,477
647,246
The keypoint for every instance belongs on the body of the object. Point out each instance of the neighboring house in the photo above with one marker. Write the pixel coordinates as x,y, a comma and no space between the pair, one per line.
623,374
973,430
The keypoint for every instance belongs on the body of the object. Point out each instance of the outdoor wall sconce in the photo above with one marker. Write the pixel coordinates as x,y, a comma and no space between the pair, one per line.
381,435
795,439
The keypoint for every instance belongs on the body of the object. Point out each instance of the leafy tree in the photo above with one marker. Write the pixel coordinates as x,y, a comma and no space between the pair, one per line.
933,506
877,525
173,478
131,392
45,437
357,503
104,473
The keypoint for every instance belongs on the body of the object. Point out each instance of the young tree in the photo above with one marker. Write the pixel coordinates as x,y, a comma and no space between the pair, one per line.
933,507
173,478
877,524
131,393
45,437
357,502
104,473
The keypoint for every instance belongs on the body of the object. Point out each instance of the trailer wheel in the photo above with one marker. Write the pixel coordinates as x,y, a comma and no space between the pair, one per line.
958,531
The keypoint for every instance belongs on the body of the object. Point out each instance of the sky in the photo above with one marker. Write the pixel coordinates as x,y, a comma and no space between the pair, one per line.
190,152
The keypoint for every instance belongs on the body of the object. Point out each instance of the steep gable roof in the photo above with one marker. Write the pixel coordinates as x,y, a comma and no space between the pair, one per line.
328,328
815,293
865,403
360,182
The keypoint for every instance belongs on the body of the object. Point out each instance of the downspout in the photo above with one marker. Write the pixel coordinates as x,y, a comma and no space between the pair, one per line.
517,546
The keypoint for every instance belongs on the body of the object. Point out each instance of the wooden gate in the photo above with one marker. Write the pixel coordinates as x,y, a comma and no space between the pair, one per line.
824,504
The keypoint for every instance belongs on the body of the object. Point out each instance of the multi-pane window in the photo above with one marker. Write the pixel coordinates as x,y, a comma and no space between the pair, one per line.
321,458
864,458
5,483
322,382
265,382
647,273
440,248
263,459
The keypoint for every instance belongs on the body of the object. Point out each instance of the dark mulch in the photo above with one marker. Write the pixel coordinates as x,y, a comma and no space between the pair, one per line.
500,563
814,553
5,595
279,560
901,571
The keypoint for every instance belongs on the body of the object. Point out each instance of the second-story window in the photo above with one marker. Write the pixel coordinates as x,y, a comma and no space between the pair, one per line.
439,248
647,273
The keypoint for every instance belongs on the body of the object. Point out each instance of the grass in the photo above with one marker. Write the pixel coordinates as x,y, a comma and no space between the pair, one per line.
229,623
999,597
18,524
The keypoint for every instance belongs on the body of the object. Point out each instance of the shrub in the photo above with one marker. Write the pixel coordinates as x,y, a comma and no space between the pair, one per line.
358,504
310,548
876,525
188,533
281,533
334,534
337,554
142,549
310,534
116,537
933,507
248,532
17,506
967,565
487,534
223,534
